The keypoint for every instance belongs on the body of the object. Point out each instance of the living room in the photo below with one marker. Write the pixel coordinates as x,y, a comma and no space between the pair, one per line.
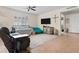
28,20
12,14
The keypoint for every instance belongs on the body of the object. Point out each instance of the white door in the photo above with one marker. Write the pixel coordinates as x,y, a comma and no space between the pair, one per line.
74,23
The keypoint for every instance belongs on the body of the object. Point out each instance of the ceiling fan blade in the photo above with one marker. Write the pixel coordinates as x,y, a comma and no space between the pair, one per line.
33,9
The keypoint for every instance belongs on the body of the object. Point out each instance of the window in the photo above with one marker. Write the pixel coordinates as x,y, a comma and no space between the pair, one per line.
20,23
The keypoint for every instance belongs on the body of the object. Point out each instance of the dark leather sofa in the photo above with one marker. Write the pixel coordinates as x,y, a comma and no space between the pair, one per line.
9,41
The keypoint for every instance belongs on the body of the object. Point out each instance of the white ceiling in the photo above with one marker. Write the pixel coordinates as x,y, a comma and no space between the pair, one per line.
75,10
39,9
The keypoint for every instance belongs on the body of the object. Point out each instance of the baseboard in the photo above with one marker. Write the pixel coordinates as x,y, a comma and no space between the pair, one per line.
73,33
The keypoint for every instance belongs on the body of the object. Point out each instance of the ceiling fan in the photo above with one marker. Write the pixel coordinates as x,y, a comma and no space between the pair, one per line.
31,8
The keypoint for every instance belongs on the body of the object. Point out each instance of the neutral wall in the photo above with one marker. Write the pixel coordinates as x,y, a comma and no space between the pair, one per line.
7,17
33,20
51,15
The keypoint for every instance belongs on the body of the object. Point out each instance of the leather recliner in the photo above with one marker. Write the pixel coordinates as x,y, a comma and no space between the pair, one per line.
4,34
10,41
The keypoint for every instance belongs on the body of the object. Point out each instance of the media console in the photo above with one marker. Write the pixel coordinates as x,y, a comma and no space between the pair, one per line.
48,29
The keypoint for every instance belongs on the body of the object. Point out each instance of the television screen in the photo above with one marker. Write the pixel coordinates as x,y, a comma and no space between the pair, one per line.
45,21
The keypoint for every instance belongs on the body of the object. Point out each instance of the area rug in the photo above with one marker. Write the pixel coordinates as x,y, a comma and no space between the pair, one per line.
37,40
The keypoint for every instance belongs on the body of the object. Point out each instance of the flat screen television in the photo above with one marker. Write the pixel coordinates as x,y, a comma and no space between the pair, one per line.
46,21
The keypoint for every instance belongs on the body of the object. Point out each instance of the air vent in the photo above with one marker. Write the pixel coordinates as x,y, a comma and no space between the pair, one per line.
71,7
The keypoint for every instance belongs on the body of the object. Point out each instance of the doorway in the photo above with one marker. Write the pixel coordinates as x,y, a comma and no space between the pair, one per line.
74,23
